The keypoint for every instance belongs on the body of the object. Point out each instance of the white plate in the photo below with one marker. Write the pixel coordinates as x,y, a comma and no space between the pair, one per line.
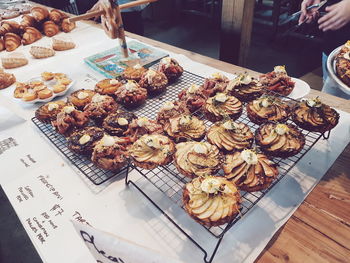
332,70
300,90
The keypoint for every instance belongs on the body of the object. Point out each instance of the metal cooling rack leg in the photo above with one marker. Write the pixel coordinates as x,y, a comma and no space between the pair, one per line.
326,135
128,182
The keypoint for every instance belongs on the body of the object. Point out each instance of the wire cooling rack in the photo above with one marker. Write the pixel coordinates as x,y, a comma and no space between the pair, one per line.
171,183
95,174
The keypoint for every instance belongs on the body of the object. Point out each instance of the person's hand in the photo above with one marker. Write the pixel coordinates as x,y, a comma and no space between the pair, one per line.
308,15
338,15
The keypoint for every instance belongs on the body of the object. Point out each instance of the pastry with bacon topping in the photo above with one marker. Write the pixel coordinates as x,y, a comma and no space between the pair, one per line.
222,106
193,97
170,110
131,95
48,111
216,83
142,126
83,141
100,106
278,81
171,68
154,81
118,123
342,64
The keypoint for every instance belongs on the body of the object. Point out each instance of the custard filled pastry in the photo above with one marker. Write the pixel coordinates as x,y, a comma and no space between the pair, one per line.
100,106
48,111
222,106
170,110
68,119
278,81
216,83
197,158
230,136
193,98
108,154
117,124
80,98
184,128
280,140
153,150
134,73
154,81
249,170
171,68
131,95
313,115
211,200
245,88
268,108
108,86
83,141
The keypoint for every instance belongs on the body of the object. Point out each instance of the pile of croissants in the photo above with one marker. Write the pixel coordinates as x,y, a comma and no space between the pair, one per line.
30,29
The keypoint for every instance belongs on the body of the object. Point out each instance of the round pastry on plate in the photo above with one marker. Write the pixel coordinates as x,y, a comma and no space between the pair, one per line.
278,81
193,97
108,154
108,86
216,83
280,140
230,136
48,111
245,88
342,63
171,68
268,108
142,126
80,98
83,141
170,110
211,200
29,95
194,159
118,123
222,106
68,119
313,115
154,81
44,93
249,170
184,128
100,106
131,95
153,150
134,73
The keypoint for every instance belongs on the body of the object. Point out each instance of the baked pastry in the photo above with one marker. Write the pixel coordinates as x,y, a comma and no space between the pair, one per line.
58,88
184,128
249,170
100,106
44,93
193,97
6,80
83,141
280,140
170,110
154,81
171,68
22,8
134,73
342,63
216,83
41,52
61,44
118,123
230,136
108,154
50,28
153,150
108,86
68,119
268,108
20,89
80,98
10,27
222,106
278,81
2,44
245,88
131,95
313,115
9,14
142,126
67,26
28,21
48,111
14,60
29,95
12,41
197,159
39,13
211,200
56,16
30,35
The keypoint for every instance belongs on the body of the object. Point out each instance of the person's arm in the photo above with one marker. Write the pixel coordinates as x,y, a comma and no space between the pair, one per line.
338,15
308,15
